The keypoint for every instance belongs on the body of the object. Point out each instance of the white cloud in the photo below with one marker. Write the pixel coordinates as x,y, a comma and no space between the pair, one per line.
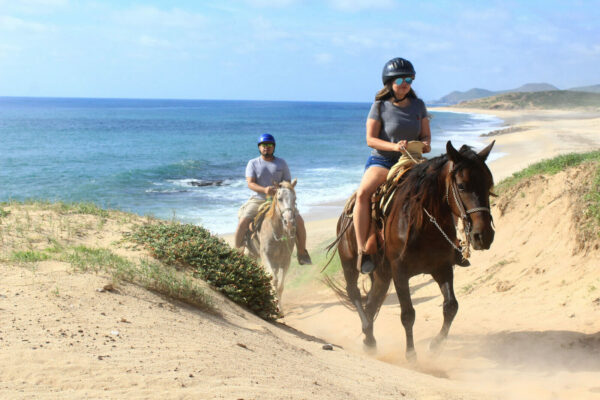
270,3
264,30
9,23
323,58
359,5
154,17
587,50
32,6
148,41
7,50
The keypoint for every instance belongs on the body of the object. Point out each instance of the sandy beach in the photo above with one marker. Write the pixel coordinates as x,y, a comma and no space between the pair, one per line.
527,326
540,134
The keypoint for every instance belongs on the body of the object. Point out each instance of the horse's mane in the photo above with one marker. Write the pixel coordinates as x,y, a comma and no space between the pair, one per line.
422,186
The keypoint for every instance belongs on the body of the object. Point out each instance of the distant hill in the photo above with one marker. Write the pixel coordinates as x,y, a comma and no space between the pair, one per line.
456,96
472,94
553,99
591,89
532,87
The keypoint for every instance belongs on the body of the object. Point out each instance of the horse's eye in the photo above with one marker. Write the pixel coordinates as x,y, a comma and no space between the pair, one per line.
461,187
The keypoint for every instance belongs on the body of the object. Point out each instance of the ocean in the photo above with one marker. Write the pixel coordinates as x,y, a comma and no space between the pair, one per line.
185,159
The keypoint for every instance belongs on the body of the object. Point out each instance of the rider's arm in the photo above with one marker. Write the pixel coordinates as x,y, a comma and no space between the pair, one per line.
425,135
287,176
252,185
373,141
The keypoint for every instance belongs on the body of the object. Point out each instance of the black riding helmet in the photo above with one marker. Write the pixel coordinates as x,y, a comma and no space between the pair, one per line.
397,67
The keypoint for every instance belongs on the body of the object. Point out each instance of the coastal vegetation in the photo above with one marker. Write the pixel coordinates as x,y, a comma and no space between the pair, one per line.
182,257
589,194
181,261
553,99
192,247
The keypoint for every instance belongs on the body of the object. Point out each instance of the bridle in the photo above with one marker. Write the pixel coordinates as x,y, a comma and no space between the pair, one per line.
284,236
463,215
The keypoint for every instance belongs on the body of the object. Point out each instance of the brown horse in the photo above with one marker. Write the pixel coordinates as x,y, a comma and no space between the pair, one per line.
419,237
275,239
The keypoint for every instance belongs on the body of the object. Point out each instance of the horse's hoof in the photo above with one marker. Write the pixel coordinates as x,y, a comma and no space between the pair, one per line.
437,345
370,342
370,346
411,356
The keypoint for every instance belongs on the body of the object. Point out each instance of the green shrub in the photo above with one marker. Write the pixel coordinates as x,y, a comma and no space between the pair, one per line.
238,277
550,167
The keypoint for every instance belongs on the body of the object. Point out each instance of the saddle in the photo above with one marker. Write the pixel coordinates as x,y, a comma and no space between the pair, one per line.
384,194
260,216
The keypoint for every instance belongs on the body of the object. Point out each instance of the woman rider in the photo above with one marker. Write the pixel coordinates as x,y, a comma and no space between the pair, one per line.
397,116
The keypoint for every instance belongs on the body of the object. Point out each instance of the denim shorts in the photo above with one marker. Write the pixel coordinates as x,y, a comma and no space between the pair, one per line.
380,162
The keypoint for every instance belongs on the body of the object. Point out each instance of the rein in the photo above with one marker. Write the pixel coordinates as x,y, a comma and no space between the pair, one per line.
463,215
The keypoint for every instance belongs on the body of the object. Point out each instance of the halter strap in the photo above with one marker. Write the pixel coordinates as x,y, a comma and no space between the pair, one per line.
457,200
283,237
464,214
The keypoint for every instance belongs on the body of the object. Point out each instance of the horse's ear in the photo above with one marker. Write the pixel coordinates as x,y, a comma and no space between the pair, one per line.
276,184
483,154
453,155
294,182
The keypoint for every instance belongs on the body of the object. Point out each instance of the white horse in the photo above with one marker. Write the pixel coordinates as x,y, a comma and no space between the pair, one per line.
275,240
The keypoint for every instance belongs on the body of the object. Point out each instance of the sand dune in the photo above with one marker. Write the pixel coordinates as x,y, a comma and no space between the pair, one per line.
527,326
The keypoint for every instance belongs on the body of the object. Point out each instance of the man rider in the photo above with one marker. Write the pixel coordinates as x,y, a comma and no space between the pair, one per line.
261,173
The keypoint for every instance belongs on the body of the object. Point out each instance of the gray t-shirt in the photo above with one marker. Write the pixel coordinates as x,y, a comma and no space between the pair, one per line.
267,172
397,123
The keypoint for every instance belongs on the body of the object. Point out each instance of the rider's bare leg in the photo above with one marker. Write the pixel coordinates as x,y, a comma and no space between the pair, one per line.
373,177
240,232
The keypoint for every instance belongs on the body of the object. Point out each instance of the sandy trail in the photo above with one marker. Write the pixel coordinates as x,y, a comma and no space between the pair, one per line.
528,324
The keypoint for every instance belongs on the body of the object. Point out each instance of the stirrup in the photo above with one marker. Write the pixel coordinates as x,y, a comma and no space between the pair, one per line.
364,263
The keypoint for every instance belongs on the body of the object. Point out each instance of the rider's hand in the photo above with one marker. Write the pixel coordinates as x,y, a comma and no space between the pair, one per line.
401,145
270,190
426,148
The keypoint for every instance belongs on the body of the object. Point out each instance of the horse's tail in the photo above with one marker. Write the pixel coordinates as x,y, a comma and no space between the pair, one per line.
344,223
340,292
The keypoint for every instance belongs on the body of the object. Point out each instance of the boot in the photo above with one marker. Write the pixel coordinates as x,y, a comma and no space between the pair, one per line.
460,260
364,263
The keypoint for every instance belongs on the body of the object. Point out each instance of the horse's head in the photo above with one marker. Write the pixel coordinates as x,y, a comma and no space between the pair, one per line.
285,200
468,188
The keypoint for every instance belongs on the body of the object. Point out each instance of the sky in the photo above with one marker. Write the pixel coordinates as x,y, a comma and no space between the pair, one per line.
307,50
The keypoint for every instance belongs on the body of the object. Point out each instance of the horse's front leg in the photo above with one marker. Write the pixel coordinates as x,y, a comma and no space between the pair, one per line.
407,312
270,267
445,279
282,272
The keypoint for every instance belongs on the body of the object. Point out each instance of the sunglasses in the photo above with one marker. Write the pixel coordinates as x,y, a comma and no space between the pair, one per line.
267,144
407,79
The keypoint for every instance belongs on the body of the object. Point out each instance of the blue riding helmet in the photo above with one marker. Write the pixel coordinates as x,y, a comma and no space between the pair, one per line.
266,138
